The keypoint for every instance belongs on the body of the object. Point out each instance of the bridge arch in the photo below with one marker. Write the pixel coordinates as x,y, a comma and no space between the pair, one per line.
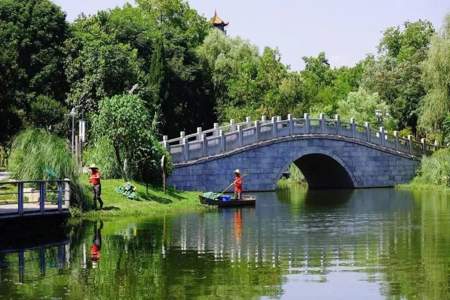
323,171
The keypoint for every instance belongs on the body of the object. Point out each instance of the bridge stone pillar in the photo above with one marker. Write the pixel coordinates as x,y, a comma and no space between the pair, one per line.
338,124
240,135
322,122
222,140
382,136
307,122
396,139
367,125
274,127
410,137
216,129
257,126
290,124
353,126
199,134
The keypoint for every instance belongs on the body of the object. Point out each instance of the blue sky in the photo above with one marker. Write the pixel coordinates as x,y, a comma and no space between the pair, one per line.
346,30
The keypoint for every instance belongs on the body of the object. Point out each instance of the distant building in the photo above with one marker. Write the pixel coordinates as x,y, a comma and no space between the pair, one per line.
218,23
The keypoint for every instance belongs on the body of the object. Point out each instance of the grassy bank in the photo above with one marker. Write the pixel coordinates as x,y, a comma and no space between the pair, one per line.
418,186
149,203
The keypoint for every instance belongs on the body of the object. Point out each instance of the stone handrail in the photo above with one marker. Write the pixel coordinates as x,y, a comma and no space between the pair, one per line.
222,139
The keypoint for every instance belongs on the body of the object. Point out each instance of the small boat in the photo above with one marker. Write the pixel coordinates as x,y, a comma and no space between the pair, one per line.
226,201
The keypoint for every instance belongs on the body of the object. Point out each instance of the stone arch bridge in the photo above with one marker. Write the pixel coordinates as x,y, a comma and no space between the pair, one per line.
329,152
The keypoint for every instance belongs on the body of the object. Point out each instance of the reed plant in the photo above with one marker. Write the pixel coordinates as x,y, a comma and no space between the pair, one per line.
37,154
435,169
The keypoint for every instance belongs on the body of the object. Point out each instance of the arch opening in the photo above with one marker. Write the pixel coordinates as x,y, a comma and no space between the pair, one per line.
323,172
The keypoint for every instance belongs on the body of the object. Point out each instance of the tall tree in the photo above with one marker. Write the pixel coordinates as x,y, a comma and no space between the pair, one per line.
396,75
435,112
32,34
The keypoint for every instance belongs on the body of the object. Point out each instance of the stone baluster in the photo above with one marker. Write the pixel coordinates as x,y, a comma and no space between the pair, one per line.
216,129
222,141
367,126
307,122
165,143
257,127
42,196
240,135
20,198
199,136
382,135
290,124
353,127
185,144
436,145
424,145
338,124
232,125
396,139
410,137
274,127
322,122
204,145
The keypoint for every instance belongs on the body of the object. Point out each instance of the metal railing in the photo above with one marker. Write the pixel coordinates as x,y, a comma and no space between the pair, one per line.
222,139
22,197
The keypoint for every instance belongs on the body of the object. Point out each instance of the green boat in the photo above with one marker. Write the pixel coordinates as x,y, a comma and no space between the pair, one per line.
226,201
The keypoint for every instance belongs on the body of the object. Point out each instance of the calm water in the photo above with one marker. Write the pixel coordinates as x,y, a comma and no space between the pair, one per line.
363,244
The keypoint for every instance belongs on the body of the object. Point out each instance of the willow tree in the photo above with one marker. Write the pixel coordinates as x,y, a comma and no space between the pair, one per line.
435,112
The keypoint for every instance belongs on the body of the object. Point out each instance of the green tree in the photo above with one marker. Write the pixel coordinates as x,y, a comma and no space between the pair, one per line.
396,74
32,34
97,65
362,105
124,122
435,106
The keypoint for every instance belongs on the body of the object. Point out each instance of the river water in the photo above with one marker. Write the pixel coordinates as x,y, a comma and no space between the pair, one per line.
361,244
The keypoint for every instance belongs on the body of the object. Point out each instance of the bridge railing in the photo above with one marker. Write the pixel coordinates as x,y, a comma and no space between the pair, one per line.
231,136
19,197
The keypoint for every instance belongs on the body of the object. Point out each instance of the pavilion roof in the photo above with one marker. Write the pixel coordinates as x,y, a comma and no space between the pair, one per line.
216,20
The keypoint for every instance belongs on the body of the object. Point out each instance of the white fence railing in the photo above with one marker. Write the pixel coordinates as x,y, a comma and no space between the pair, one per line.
222,139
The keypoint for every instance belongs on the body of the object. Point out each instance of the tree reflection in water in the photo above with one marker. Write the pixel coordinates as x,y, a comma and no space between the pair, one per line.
389,242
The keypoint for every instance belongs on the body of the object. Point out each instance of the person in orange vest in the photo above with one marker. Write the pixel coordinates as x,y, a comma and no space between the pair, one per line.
237,185
94,180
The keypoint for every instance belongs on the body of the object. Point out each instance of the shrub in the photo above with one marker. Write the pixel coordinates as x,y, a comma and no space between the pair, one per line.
38,155
435,169
102,154
124,127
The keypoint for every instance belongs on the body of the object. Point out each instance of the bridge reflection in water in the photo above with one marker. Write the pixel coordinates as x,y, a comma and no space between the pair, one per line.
311,240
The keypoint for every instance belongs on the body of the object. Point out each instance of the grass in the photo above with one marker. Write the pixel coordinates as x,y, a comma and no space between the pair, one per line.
414,185
151,203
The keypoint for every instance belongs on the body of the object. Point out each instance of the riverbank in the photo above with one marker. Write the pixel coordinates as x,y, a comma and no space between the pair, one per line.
151,202
415,186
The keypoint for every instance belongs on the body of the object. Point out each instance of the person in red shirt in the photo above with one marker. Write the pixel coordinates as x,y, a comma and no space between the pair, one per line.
94,180
237,185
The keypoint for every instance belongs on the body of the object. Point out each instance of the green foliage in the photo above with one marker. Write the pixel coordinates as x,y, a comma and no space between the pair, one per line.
39,155
102,154
46,112
125,123
362,106
435,169
396,74
32,34
435,106
98,66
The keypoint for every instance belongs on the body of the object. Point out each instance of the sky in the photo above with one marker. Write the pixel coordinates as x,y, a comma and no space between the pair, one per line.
346,30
